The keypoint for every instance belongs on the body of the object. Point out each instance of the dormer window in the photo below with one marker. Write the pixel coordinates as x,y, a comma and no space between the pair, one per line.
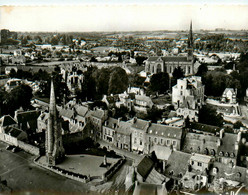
156,132
215,170
221,154
232,155
151,131
171,172
227,154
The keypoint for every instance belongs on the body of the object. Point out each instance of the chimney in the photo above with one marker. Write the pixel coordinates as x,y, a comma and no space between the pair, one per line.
236,145
222,133
239,137
119,120
219,142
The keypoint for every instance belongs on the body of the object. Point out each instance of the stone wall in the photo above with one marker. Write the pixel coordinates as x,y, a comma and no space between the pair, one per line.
29,148
68,174
107,175
15,142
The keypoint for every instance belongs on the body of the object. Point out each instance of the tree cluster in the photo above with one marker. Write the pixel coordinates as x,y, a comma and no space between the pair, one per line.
18,97
104,81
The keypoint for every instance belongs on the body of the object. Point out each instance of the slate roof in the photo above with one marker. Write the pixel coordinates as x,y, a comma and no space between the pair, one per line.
165,131
28,118
151,189
144,98
81,110
175,59
98,113
235,173
201,158
169,58
205,128
14,132
67,113
7,120
178,163
228,144
124,128
145,166
204,141
140,124
111,123
153,58
162,152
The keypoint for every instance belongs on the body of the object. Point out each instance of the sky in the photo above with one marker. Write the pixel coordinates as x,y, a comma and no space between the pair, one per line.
120,15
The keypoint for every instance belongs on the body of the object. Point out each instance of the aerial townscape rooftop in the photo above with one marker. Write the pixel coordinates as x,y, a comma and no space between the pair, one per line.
124,112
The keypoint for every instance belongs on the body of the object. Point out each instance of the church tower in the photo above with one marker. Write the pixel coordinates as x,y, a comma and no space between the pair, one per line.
54,147
190,43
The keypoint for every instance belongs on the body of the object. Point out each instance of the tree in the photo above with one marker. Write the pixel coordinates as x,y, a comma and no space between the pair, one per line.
12,73
159,82
88,91
118,81
202,70
54,40
209,116
136,81
140,59
18,97
237,125
101,77
177,74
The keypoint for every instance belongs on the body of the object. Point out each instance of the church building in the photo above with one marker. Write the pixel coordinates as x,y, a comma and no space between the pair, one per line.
55,152
156,64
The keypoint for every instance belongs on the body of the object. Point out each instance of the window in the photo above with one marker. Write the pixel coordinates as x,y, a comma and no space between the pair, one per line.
162,141
174,143
192,162
140,134
155,140
135,140
149,139
199,164
141,142
181,92
168,142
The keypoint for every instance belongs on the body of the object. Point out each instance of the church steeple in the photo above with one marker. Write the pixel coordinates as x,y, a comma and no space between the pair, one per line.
190,43
54,148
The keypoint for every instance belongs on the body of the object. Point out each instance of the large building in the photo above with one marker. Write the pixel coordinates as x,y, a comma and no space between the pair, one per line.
54,146
156,64
188,97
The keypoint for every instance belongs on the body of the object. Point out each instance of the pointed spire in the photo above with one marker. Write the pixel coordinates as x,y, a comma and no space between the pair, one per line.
52,106
190,38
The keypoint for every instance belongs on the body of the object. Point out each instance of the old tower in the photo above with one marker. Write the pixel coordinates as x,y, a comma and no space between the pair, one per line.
54,147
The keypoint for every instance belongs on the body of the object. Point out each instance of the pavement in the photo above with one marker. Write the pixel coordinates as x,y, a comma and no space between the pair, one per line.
23,176
133,156
85,164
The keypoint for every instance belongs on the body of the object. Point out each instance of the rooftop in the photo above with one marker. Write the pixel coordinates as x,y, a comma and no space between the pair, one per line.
140,124
201,158
165,131
7,120
145,166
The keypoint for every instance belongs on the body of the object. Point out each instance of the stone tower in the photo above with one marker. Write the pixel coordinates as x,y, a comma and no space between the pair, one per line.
190,43
54,147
